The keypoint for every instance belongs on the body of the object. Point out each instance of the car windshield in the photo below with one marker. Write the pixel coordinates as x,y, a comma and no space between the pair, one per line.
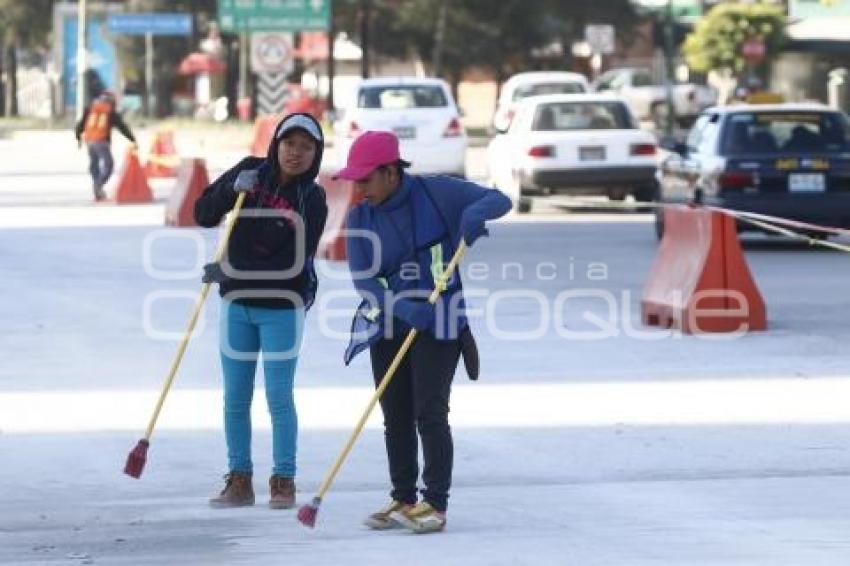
561,116
402,97
547,88
794,131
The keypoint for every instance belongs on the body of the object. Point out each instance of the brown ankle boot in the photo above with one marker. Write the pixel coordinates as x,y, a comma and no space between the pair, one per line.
282,492
238,491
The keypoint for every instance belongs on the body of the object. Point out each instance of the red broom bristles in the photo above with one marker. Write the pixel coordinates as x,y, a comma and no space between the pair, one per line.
136,459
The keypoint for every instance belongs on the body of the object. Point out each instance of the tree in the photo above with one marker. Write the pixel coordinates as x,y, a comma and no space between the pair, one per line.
717,40
22,25
500,36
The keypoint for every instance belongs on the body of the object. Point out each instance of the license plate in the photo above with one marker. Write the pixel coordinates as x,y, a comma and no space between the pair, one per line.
591,153
806,183
405,132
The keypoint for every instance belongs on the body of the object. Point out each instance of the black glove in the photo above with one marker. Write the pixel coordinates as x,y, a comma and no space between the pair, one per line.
245,181
213,274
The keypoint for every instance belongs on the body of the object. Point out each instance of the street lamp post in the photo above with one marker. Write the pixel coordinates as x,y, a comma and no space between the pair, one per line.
668,68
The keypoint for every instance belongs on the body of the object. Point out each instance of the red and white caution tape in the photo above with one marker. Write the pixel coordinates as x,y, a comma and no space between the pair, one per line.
766,222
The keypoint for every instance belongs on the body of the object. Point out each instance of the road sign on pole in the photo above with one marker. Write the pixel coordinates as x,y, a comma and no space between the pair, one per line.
154,23
600,37
274,15
149,24
753,50
271,93
272,52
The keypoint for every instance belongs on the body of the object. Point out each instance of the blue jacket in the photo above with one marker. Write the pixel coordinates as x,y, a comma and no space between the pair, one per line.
424,210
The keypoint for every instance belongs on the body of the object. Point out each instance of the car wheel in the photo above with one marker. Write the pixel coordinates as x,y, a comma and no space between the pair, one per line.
523,205
659,223
645,194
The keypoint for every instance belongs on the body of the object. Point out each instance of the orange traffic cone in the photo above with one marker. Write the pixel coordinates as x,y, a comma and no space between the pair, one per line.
192,179
341,198
162,158
263,132
700,281
132,187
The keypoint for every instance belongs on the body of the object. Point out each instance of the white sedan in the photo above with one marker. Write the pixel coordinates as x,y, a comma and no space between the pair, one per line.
533,83
420,111
578,144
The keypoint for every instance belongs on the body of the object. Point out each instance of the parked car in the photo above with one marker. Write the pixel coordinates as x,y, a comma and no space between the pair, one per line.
580,144
788,160
420,111
647,98
523,85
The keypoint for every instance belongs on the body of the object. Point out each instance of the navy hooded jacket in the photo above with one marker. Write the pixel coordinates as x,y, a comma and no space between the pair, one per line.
268,242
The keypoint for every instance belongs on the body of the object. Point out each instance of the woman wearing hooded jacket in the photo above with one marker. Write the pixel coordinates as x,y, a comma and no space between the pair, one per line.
266,282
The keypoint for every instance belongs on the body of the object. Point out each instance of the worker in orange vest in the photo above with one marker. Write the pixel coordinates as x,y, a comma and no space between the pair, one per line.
95,128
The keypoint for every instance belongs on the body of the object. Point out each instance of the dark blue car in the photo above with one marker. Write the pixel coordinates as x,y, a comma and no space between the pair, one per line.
786,160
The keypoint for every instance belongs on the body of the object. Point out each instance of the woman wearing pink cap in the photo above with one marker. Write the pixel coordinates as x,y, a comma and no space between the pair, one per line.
418,222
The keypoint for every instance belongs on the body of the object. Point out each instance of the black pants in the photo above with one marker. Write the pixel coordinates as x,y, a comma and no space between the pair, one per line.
417,399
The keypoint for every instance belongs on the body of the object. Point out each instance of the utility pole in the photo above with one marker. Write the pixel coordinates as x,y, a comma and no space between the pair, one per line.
365,14
148,102
244,48
668,67
81,57
331,59
439,38
2,80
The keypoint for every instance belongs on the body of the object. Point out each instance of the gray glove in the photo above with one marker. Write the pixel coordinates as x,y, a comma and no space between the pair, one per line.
213,273
245,181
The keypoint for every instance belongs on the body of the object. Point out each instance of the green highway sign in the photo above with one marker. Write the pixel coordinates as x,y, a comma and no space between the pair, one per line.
687,8
684,9
274,15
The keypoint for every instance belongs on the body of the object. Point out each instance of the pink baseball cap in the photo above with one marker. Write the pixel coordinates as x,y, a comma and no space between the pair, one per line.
368,152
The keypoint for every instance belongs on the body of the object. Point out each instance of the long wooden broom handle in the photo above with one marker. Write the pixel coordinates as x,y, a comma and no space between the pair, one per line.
390,373
184,342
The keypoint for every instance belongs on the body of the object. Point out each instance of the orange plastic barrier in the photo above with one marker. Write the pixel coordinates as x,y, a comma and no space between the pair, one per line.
263,131
699,281
192,179
162,157
341,198
132,186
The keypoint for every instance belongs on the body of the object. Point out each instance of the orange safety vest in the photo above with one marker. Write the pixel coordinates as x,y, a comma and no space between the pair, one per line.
98,123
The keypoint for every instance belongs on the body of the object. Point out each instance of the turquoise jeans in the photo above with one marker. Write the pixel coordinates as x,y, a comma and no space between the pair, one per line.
244,332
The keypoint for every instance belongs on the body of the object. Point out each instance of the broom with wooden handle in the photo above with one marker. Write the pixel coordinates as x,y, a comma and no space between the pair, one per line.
307,513
138,456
